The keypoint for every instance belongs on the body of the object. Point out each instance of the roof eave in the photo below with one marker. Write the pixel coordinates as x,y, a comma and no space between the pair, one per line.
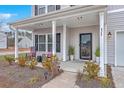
57,14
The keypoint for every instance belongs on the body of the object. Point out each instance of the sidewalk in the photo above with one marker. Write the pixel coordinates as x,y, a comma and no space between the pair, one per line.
68,77
65,80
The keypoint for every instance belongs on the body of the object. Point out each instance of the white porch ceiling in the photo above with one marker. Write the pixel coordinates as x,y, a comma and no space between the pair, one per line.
76,21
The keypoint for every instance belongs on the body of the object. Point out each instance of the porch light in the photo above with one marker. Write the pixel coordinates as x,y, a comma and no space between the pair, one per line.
109,35
80,18
41,24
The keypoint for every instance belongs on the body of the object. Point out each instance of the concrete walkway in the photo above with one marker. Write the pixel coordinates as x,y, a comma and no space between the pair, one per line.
118,76
68,77
65,80
72,66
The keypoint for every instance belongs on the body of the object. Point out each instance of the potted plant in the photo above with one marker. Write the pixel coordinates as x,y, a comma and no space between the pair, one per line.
71,53
97,53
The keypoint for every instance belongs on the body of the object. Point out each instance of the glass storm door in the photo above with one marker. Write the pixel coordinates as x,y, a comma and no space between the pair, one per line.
86,46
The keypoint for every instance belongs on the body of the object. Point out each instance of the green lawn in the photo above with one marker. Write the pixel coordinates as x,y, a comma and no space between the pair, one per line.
20,55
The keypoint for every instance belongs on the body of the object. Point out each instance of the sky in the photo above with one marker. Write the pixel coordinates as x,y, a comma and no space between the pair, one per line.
15,12
12,13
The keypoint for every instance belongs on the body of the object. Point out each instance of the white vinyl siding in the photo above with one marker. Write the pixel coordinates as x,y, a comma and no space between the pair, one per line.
115,22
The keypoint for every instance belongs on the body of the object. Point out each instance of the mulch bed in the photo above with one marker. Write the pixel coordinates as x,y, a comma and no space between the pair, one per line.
14,76
94,83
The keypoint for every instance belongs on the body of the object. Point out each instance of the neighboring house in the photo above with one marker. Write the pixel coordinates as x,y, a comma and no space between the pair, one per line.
25,42
86,27
24,39
3,40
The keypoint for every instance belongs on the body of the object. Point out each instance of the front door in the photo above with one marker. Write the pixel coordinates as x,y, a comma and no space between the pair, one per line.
86,46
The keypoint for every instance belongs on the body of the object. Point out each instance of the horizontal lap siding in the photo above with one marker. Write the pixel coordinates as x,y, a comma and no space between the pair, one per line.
115,21
114,7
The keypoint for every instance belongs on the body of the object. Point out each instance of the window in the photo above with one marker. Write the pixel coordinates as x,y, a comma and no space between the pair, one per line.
42,9
57,7
50,42
36,10
51,8
36,42
42,42
58,42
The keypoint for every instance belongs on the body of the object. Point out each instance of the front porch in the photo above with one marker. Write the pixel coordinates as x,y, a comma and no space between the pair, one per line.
70,24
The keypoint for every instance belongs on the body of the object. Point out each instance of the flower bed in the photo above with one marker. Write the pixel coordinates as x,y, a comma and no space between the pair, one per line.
15,76
85,80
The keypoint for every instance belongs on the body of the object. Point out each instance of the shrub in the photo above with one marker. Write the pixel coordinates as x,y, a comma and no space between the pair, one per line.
91,70
97,53
9,59
47,64
105,82
22,61
33,63
33,80
54,58
51,64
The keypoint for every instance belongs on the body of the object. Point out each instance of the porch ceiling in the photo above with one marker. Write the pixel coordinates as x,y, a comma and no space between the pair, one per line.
79,16
71,22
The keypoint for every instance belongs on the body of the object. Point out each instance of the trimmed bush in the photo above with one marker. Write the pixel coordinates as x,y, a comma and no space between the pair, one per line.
9,59
91,70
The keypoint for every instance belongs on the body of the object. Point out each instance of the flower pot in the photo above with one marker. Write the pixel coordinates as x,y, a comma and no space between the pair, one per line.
71,57
97,60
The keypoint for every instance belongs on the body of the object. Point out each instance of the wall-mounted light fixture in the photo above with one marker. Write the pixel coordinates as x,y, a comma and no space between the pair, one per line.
80,18
41,24
109,35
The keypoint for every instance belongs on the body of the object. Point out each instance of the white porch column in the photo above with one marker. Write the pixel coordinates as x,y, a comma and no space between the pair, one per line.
64,42
16,45
102,44
54,37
